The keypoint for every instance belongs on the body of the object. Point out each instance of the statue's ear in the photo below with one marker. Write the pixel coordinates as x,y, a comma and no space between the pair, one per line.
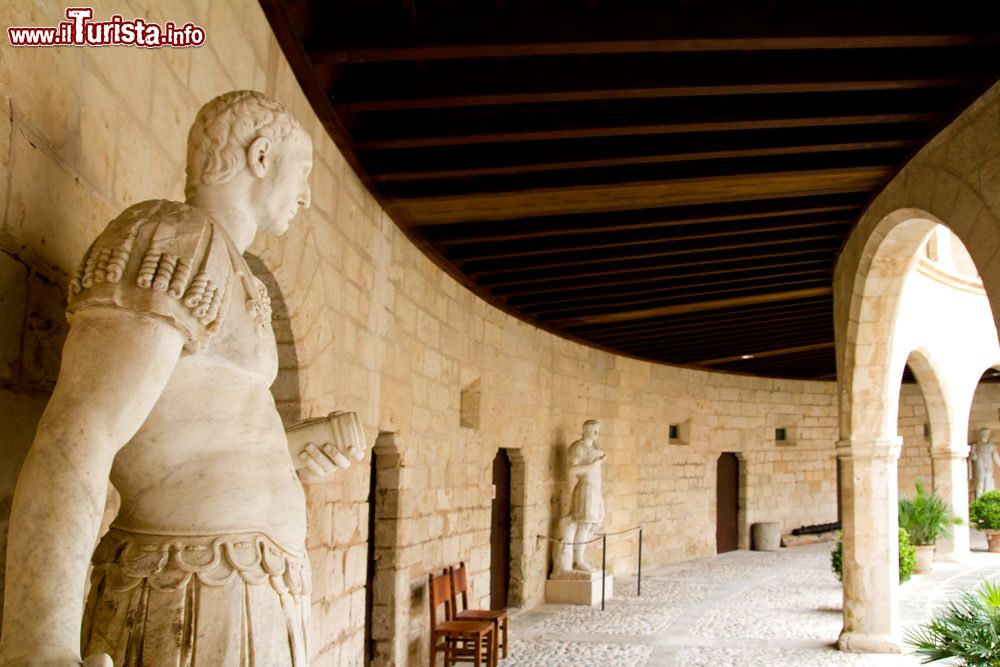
259,156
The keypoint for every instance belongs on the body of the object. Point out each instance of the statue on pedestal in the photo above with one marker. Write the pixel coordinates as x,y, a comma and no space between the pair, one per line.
164,388
587,508
983,456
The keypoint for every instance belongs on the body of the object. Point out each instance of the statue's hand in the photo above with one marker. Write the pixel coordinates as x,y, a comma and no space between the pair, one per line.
328,444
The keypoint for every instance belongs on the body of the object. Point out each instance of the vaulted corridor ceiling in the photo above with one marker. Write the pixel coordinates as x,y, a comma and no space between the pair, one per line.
667,180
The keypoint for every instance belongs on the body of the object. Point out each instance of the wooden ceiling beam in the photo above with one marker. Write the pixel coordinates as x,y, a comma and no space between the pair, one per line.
636,195
732,346
518,297
687,334
695,297
717,304
531,168
677,127
623,300
358,55
662,285
700,321
647,93
502,281
798,349
479,252
494,267
445,236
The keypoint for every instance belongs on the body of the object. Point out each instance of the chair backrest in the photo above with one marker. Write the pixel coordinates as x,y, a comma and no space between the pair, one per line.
459,586
439,592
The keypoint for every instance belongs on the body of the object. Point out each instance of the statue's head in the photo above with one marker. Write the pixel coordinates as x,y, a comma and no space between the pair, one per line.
984,434
591,428
245,138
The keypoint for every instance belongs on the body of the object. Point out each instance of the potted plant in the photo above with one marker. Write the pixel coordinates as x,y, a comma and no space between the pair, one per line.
925,518
984,514
907,558
967,629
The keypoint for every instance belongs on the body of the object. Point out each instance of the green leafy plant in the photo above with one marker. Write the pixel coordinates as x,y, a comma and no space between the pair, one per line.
907,557
967,629
925,517
984,512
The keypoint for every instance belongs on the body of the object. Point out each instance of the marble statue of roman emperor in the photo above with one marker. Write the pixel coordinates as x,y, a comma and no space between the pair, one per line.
164,388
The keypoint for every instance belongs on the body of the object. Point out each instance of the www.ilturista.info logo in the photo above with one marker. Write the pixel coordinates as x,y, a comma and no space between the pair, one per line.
80,30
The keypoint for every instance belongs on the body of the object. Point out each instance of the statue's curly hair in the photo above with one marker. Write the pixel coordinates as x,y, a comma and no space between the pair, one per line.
224,128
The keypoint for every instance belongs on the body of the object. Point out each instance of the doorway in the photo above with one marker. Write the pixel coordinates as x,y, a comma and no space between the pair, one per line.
500,532
727,505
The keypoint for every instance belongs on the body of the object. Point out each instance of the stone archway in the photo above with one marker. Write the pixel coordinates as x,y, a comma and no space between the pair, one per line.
952,178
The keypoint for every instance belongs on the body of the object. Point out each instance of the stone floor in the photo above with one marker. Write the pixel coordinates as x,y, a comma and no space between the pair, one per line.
738,609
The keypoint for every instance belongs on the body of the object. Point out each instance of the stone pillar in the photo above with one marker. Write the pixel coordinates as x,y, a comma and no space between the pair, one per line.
871,549
952,485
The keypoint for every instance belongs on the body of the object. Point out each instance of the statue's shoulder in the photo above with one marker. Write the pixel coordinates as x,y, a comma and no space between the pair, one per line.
159,258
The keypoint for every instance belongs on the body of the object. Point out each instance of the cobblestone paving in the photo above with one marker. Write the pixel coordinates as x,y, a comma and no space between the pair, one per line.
539,653
618,618
710,656
739,609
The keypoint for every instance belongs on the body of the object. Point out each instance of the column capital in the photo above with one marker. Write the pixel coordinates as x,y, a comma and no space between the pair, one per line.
870,448
950,452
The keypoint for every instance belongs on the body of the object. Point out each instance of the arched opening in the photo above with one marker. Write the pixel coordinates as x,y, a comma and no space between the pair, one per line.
903,311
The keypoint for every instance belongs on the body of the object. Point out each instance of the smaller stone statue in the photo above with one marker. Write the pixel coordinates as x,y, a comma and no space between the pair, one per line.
983,455
587,509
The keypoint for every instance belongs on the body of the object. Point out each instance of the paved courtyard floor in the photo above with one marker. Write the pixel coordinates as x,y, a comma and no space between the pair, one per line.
744,608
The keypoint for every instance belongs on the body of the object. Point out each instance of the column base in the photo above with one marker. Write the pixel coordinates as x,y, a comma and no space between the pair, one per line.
856,642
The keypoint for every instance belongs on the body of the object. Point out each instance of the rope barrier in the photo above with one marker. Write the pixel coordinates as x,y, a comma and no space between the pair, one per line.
603,538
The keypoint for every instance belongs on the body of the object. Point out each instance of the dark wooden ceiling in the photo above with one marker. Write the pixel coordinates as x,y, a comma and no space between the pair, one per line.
671,180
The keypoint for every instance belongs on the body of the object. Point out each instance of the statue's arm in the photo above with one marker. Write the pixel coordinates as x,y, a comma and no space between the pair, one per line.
114,368
325,444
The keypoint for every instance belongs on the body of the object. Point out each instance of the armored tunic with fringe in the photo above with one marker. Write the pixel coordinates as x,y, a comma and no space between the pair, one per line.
192,600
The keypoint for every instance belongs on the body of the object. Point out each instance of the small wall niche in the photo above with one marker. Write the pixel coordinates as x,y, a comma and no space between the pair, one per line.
784,434
469,406
679,432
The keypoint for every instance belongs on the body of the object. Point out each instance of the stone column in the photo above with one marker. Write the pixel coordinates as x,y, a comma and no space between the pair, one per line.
871,549
952,485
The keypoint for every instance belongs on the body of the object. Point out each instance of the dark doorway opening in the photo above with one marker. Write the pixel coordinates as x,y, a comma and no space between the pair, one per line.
500,532
370,578
727,512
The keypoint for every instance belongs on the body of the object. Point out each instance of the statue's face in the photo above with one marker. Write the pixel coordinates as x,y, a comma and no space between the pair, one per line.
284,188
591,430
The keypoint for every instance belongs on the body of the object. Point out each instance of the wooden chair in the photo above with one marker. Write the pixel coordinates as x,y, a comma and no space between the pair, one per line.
460,640
499,618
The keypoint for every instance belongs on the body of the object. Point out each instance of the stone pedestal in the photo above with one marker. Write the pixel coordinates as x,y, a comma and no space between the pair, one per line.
584,590
766,536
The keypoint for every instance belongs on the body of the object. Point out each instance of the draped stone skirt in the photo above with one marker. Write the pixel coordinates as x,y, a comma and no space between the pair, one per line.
237,600
587,503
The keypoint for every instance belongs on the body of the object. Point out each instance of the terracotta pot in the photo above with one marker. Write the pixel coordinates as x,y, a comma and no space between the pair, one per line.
993,536
925,559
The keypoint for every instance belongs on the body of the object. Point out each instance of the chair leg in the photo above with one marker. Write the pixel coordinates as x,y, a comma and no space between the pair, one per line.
505,644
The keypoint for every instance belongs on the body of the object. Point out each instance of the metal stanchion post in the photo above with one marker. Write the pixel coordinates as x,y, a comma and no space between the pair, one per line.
604,562
638,581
